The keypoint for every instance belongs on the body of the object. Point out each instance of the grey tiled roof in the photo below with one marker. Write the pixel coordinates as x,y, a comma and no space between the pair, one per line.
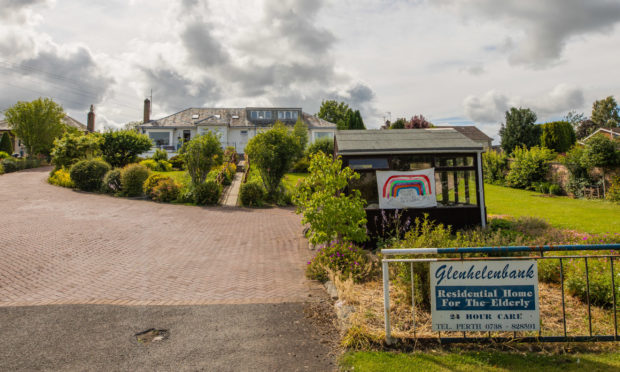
233,117
470,131
403,141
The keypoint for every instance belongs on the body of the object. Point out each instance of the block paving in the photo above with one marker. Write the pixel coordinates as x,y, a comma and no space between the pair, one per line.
60,246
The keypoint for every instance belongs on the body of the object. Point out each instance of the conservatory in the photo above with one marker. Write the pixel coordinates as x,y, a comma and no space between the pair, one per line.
406,173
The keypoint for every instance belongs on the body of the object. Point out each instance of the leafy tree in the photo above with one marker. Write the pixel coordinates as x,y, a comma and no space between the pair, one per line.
558,136
132,125
575,118
6,144
519,130
333,111
356,121
122,147
600,151
330,212
399,123
495,166
300,131
528,166
272,153
585,128
201,154
418,122
37,124
605,113
72,147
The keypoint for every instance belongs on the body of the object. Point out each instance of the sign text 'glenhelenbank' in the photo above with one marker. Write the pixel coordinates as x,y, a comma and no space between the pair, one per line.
484,296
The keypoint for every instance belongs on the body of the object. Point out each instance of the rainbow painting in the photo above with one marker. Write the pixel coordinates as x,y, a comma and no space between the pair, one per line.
406,189
395,184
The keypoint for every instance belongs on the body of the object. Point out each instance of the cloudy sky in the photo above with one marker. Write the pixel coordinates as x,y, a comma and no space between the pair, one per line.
454,61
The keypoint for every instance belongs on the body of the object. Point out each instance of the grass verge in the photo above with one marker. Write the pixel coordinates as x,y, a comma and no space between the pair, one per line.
478,361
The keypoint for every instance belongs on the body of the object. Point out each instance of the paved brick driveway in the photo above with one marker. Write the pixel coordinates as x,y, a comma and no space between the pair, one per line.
59,246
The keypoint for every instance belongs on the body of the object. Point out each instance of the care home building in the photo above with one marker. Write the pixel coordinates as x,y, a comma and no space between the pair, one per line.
234,126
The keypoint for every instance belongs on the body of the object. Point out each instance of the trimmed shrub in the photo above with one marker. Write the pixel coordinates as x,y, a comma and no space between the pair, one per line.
4,155
207,193
252,194
177,162
73,147
165,191
61,177
6,145
88,174
112,181
122,147
160,154
495,166
150,164
132,179
558,136
324,145
151,182
301,165
528,166
10,165
345,259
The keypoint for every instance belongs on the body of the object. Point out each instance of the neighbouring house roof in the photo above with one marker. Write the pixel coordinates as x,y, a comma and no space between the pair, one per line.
470,131
67,120
232,117
615,132
431,140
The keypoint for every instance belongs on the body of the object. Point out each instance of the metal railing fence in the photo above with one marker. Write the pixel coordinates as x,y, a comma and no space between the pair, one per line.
504,253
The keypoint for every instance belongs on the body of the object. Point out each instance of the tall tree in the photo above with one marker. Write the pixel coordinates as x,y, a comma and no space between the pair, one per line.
600,151
585,128
605,113
356,121
558,136
6,144
300,131
520,129
333,111
201,154
37,124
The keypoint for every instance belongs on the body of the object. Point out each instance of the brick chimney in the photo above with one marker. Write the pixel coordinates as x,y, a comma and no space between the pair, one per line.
90,126
147,110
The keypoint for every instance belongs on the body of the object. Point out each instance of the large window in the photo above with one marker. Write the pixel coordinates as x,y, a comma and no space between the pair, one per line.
160,138
288,115
455,176
319,135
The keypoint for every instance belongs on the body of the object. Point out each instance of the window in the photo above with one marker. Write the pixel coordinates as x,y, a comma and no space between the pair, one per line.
294,114
288,114
280,114
319,135
369,163
254,114
160,138
267,114
244,132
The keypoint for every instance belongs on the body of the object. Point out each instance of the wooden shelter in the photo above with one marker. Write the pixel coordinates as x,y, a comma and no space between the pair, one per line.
454,159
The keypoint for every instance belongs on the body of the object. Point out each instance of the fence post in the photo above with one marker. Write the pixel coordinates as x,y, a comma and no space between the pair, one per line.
386,301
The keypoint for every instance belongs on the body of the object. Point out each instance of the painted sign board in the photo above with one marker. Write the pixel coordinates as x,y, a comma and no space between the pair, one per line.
398,190
484,295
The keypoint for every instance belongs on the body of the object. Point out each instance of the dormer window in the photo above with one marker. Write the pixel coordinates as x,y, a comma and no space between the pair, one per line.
195,116
260,115
287,115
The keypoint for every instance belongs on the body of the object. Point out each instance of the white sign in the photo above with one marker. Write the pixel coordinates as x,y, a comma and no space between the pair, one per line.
399,190
485,296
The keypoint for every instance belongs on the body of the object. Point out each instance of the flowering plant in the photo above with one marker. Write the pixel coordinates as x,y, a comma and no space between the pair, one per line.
343,258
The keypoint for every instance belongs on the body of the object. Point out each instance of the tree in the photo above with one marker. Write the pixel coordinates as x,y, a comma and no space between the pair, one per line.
357,122
528,166
201,154
418,122
330,212
586,128
558,136
132,125
398,123
600,151
300,131
37,124
324,145
519,130
575,118
605,113
72,147
122,147
272,153
333,111
6,144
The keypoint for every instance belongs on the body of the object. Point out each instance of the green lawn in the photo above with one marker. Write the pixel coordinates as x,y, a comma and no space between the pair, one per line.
181,177
290,180
478,361
592,216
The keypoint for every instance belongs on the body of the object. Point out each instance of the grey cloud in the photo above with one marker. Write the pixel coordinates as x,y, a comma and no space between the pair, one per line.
561,99
548,25
174,92
489,108
474,69
13,10
202,47
360,94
